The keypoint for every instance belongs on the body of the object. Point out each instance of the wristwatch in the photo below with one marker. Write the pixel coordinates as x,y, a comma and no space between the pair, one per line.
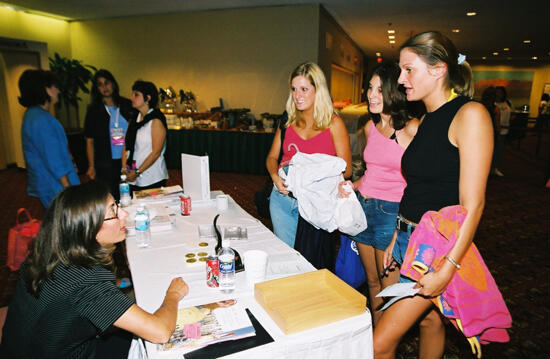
138,173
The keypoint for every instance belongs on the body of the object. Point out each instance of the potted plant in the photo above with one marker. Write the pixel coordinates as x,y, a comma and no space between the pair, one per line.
73,76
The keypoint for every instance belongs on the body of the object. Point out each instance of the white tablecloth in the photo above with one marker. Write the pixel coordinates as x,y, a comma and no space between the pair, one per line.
154,267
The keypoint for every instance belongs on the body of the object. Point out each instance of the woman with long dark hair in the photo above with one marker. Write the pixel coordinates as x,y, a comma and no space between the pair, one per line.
447,163
66,303
105,128
380,189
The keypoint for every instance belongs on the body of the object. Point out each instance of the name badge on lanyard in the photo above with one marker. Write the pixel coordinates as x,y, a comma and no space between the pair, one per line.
117,134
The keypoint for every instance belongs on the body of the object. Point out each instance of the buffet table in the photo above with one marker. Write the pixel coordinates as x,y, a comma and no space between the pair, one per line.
154,267
228,150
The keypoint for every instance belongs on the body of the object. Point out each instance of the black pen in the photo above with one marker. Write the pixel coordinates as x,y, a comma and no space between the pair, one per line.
385,271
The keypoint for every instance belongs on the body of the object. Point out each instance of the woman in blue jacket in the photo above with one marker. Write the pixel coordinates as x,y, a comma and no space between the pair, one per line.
49,164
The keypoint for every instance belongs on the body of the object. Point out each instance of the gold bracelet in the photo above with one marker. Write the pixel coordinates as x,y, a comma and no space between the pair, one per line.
453,262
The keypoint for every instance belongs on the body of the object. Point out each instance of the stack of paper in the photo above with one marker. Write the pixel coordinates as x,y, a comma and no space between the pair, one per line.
155,195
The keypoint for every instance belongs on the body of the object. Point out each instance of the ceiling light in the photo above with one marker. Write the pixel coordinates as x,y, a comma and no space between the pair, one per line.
455,30
391,31
534,57
484,57
392,41
506,49
509,58
391,37
471,13
495,53
526,41
378,54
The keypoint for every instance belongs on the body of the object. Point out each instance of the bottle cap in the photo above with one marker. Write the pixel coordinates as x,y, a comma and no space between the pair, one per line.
226,243
123,177
140,208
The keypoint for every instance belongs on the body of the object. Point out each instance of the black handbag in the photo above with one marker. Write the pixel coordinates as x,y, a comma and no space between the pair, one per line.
261,198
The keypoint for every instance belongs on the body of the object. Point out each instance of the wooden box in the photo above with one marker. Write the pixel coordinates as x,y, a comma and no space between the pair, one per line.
308,300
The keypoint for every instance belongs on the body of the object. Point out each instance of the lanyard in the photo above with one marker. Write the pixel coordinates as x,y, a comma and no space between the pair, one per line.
117,114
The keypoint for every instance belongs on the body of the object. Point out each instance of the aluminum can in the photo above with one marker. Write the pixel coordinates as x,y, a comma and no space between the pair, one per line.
212,271
185,205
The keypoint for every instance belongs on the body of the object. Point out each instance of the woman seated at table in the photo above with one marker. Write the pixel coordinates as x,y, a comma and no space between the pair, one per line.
143,157
66,302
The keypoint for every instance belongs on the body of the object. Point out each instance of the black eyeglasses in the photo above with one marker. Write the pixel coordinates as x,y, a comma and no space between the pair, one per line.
116,213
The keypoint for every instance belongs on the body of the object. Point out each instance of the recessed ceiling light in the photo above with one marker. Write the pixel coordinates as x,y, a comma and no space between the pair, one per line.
378,54
392,41
471,13
506,49
484,57
455,30
534,57
391,31
526,41
495,53
391,37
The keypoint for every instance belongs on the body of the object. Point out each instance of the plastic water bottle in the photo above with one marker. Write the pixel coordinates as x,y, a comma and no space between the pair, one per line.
142,223
226,258
124,189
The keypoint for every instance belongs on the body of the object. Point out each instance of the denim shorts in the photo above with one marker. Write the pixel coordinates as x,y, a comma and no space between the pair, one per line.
399,250
381,216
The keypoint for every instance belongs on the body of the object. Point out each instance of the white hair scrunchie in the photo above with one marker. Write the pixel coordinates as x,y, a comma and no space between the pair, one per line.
461,59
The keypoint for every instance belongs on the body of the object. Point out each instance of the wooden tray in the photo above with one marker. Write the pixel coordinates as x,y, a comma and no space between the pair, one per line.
308,300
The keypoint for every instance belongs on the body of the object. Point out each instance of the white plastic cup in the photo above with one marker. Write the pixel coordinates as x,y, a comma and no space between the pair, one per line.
222,202
255,266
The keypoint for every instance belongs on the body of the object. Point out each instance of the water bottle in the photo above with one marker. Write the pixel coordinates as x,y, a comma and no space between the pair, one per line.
124,189
226,258
142,223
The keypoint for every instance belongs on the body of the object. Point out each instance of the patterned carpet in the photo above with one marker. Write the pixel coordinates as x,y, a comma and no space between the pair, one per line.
513,237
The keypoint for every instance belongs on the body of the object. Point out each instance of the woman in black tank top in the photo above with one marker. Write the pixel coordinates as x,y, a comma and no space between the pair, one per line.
447,163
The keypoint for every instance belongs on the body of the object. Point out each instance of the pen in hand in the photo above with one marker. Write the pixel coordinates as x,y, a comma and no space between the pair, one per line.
386,269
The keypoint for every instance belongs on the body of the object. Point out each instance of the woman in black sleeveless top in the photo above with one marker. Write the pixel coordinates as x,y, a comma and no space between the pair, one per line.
446,164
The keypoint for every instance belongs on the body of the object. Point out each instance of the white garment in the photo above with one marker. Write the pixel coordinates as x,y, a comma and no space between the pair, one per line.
505,111
313,179
143,148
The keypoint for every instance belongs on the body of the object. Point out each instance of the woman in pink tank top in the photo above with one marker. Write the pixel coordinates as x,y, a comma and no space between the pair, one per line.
312,127
388,133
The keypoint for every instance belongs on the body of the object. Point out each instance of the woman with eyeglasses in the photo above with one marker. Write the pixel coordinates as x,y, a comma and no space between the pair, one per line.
66,303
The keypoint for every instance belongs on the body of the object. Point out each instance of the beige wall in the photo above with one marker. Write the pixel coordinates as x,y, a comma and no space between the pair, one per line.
20,25
541,76
336,48
243,56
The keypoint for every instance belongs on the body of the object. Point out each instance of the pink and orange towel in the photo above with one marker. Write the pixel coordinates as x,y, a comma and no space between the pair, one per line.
471,301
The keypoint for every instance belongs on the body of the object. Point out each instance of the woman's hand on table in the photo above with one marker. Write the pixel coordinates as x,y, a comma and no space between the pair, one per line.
280,184
342,193
178,288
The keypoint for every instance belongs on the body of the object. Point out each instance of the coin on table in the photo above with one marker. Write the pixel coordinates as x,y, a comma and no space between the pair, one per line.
190,255
202,254
203,259
191,260
203,244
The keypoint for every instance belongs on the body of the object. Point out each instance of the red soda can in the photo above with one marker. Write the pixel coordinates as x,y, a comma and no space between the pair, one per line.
212,271
185,205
